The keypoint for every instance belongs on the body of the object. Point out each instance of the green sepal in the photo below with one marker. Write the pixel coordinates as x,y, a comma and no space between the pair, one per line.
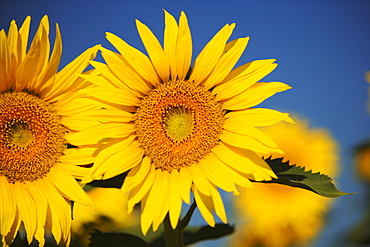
296,176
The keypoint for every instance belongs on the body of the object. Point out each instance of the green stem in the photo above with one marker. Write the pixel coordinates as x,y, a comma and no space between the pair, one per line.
185,221
173,236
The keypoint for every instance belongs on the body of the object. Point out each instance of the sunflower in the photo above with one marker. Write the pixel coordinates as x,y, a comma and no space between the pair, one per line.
178,129
278,215
37,172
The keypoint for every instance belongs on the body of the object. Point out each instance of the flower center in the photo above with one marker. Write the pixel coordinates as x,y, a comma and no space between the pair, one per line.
31,137
177,124
20,134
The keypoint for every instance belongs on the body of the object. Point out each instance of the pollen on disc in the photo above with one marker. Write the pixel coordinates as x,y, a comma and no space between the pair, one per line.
178,123
32,137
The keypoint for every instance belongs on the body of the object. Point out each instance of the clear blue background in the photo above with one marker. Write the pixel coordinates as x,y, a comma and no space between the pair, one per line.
322,47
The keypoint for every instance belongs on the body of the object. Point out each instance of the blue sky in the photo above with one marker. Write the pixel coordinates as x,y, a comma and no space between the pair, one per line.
322,48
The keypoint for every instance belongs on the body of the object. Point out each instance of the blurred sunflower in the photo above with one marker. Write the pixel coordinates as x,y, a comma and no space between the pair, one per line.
109,215
362,161
37,173
278,215
362,151
179,129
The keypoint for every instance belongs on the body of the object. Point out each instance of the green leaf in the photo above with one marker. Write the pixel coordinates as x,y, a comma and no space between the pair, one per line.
296,176
99,239
207,233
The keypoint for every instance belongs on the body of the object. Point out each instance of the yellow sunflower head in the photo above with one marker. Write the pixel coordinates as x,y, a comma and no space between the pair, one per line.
180,128
36,111
278,215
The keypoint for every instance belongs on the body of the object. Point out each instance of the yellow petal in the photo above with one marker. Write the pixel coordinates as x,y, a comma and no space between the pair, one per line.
55,202
60,208
241,78
170,41
155,51
155,201
184,48
41,210
108,80
73,107
65,80
32,63
174,198
161,200
217,178
5,62
24,32
146,221
8,205
226,63
13,38
98,132
228,172
111,153
54,61
122,74
247,142
261,169
185,182
140,191
42,44
14,46
205,206
210,55
255,95
135,175
113,95
231,159
27,209
230,45
218,204
247,130
104,115
126,160
68,186
8,239
93,102
258,117
78,124
200,181
77,172
135,58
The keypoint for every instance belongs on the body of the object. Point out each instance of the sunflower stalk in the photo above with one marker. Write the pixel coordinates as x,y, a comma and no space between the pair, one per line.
174,237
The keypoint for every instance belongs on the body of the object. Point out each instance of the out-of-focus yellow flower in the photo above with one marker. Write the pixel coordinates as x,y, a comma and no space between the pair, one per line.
180,130
37,109
110,214
362,162
277,215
